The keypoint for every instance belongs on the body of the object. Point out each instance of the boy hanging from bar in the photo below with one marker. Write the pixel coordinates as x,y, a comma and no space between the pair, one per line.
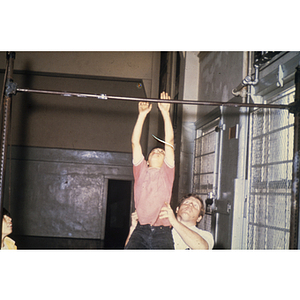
153,183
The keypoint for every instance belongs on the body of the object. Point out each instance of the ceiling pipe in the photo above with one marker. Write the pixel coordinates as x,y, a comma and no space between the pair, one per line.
260,59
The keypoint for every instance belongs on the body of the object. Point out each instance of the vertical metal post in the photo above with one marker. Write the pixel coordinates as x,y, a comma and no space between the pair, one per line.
5,125
294,224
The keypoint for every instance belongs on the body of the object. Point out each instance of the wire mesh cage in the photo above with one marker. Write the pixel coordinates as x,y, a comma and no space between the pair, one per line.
271,161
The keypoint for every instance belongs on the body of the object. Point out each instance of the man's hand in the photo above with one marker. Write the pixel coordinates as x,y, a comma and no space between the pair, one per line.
134,219
167,213
144,107
164,107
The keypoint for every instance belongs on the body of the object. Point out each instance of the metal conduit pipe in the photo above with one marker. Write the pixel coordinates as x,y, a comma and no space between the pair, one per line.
246,62
243,128
248,80
238,226
262,59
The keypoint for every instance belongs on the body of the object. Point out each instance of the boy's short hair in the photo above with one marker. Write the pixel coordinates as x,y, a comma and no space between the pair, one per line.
202,209
157,147
5,212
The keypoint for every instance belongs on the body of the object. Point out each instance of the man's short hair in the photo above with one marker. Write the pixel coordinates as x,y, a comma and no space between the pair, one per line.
202,209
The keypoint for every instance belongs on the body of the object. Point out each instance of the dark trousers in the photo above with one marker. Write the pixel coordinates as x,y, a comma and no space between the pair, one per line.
151,237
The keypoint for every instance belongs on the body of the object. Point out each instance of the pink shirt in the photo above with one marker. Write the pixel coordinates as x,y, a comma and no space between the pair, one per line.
152,188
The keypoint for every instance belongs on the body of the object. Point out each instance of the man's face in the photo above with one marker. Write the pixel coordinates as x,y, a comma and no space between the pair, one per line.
189,210
6,225
156,158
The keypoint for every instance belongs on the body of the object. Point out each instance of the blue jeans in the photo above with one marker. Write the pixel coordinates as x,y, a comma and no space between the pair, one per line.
151,237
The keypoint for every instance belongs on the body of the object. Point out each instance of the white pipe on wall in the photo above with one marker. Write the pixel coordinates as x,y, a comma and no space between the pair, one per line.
239,188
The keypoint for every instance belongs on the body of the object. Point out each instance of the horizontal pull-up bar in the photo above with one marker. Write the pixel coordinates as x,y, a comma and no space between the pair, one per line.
189,102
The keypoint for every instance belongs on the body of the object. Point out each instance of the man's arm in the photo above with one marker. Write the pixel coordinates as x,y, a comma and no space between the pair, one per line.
190,237
169,133
134,220
144,109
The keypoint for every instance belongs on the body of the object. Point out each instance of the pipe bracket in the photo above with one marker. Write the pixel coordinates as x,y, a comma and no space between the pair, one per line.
280,76
11,88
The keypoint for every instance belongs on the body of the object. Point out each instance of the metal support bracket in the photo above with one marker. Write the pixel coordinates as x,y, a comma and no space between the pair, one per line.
280,76
294,107
220,127
11,88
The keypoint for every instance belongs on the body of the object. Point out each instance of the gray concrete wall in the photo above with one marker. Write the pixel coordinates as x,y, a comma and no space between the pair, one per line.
129,64
208,76
211,76
189,117
62,193
78,123
220,73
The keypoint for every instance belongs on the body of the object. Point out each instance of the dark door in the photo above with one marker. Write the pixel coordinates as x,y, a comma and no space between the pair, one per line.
117,213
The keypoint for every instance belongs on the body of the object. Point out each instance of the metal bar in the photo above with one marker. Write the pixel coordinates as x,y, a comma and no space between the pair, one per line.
272,132
294,221
188,102
5,122
268,226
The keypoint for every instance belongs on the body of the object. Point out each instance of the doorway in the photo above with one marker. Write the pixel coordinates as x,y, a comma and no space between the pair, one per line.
117,213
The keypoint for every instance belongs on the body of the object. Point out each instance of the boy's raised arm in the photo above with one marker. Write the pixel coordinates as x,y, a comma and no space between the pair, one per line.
169,133
144,109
